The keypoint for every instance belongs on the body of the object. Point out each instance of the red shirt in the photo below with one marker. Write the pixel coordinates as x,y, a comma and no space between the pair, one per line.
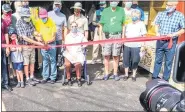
3,31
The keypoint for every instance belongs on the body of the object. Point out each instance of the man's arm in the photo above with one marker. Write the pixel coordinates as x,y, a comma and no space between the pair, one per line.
7,42
27,39
86,33
65,33
180,32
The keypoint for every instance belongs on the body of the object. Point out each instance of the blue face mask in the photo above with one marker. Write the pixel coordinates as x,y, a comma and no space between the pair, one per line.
114,4
134,19
170,9
74,30
101,8
44,20
56,9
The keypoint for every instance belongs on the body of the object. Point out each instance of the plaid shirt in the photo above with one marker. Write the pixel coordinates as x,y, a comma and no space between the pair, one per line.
24,29
170,24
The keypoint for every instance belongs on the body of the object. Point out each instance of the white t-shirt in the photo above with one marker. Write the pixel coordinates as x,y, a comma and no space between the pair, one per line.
75,53
135,30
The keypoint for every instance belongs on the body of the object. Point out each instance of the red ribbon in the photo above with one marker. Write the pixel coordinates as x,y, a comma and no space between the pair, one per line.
108,41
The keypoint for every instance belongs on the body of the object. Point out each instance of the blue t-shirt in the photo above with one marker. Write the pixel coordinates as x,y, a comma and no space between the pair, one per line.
60,21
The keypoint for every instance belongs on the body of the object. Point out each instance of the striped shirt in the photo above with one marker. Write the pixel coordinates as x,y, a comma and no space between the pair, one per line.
24,29
170,24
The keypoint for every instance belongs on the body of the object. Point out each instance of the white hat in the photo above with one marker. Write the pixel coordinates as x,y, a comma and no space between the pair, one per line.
77,5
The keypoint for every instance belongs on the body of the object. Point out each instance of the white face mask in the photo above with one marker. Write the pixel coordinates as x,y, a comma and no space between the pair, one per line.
128,4
18,9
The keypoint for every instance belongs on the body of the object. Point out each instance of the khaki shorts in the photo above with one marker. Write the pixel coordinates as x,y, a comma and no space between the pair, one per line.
28,56
114,48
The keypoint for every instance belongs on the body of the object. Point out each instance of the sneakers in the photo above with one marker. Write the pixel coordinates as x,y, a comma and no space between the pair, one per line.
22,84
69,82
43,81
30,82
52,81
116,78
106,77
35,80
18,85
125,78
79,83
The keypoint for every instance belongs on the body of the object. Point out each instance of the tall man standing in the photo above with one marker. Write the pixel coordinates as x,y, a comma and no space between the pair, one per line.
169,23
112,22
79,19
25,30
61,23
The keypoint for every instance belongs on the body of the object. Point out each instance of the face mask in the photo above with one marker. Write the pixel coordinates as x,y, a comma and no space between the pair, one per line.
101,8
134,19
128,4
74,30
27,19
113,4
44,20
18,9
56,9
134,6
170,9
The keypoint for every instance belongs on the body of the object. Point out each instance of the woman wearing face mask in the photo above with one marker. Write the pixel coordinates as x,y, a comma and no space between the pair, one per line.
74,54
132,49
46,28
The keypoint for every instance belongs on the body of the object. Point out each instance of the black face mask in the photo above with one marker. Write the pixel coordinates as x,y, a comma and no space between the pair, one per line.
134,6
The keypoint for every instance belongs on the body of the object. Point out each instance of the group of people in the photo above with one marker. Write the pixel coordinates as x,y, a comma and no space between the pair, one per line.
53,28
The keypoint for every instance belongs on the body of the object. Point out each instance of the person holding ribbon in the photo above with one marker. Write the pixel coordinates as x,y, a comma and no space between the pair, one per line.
170,23
74,54
131,50
25,31
112,20
60,22
16,57
46,29
96,20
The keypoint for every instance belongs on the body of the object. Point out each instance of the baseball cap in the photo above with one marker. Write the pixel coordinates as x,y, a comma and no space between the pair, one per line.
43,13
25,12
6,8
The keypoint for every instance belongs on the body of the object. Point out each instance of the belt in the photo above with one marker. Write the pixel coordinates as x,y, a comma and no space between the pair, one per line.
115,33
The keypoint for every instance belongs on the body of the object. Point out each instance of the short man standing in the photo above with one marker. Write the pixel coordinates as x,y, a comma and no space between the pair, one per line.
169,23
25,30
112,21
47,30
61,24
96,20
79,19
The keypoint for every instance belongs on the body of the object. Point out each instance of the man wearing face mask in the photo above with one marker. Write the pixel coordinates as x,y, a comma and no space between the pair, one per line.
61,23
128,10
74,54
79,19
170,23
96,20
25,31
135,6
112,20
46,28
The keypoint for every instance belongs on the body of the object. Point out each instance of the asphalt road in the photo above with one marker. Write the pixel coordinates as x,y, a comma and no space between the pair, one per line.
99,96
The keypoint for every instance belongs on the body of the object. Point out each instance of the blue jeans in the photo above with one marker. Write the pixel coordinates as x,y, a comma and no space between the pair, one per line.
161,51
49,58
4,69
